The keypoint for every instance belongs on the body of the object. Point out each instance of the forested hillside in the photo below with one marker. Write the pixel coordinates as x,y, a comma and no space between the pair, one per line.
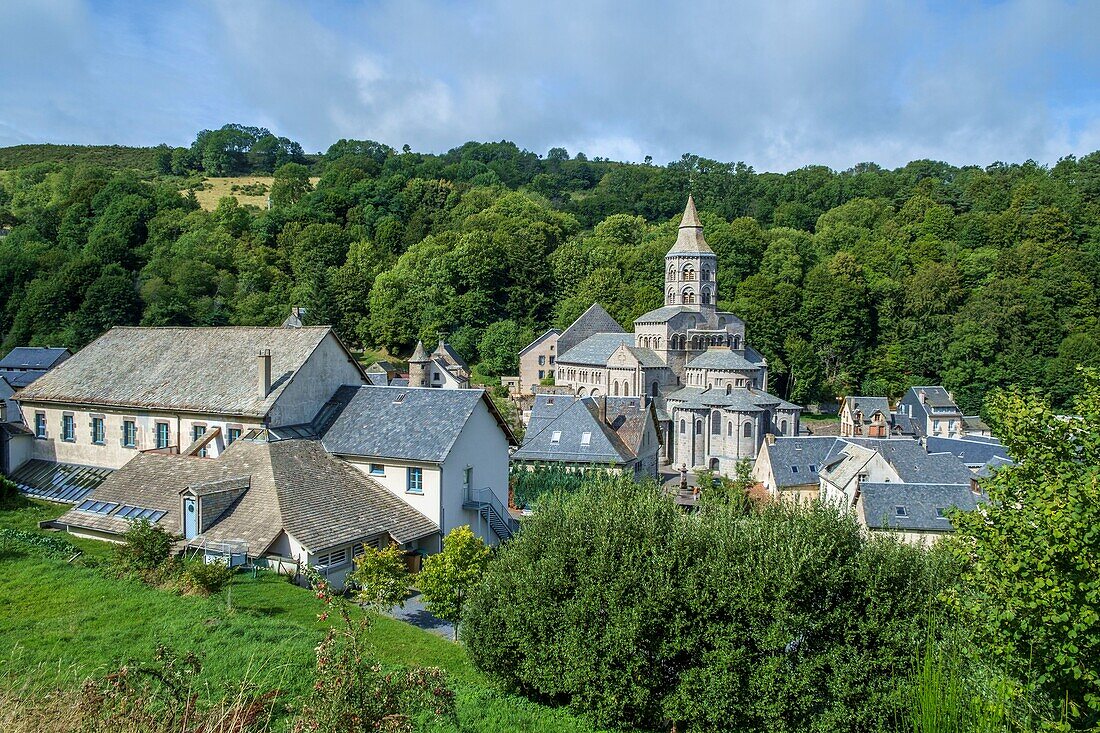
866,279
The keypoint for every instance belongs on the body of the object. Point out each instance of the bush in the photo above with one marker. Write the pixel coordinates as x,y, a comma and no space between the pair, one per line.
147,547
208,578
780,619
8,489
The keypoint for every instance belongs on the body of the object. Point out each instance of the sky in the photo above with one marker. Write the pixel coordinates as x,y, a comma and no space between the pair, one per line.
775,84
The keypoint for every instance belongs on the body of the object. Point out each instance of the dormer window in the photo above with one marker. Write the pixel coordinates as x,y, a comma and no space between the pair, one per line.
586,438
900,511
555,438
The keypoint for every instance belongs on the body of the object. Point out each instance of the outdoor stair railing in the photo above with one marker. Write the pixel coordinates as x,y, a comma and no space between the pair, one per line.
490,509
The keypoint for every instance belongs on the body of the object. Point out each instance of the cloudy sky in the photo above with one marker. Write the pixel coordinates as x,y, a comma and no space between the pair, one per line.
775,84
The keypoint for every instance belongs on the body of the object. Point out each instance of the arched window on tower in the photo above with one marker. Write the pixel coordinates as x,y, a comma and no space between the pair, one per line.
706,297
729,388
671,295
716,422
654,389
683,427
729,430
783,428
698,427
672,272
689,272
689,296
704,275
748,430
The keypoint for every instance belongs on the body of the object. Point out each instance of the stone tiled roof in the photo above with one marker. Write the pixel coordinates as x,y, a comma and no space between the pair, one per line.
449,356
689,237
206,370
722,359
646,357
404,423
791,459
970,452
921,505
740,399
611,443
419,353
292,485
33,357
665,313
539,340
17,379
914,464
934,396
592,321
596,349
869,405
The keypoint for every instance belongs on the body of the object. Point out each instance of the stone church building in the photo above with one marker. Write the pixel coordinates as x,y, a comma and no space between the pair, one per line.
689,358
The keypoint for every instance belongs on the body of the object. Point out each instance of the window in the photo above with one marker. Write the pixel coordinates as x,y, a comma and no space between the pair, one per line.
813,468
197,431
555,437
541,374
334,559
414,483
129,433
68,429
729,430
468,478
729,388
783,427
134,513
901,511
551,360
377,469
748,430
97,507
586,438
232,434
683,427
97,431
698,427
162,435
794,469
941,512
542,360
40,425
716,423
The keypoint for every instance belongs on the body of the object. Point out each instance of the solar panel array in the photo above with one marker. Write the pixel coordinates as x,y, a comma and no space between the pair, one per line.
66,483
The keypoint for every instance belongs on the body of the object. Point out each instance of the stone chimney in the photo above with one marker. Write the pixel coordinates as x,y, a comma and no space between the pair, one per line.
770,438
263,360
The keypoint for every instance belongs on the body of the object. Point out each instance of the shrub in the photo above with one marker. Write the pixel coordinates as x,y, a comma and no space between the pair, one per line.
8,489
780,619
208,578
147,547
381,576
449,576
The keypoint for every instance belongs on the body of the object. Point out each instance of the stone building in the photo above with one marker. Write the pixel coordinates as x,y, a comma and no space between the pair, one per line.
537,361
442,368
688,357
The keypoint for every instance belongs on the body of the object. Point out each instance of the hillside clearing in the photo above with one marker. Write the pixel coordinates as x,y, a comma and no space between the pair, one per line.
248,190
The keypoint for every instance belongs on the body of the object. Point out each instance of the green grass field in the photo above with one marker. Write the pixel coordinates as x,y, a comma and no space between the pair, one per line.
63,622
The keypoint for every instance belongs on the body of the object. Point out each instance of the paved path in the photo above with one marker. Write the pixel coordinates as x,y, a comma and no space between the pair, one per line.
415,614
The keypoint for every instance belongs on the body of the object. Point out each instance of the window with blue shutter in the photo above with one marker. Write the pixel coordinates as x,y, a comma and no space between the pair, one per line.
415,482
129,433
68,429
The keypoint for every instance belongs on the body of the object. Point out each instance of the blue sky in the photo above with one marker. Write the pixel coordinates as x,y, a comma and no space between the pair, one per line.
775,84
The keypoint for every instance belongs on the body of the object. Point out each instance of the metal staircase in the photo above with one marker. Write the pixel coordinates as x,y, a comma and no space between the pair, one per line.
491,511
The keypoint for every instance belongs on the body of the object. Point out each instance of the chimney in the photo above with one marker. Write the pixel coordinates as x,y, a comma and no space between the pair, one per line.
264,363
770,438
603,409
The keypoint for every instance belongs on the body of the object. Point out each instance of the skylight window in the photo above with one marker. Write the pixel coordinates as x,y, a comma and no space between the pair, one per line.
794,469
901,511
555,437
813,468
399,398
586,438
134,513
941,512
97,507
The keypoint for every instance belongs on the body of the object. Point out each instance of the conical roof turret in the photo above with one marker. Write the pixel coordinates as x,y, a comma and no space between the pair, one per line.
420,354
689,240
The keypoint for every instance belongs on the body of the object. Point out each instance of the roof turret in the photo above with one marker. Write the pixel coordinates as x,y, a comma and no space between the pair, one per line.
420,354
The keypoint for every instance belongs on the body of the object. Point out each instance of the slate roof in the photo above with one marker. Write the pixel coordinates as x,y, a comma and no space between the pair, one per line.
992,467
206,370
592,321
970,452
646,357
33,357
379,379
913,464
419,353
689,237
66,483
845,462
741,399
596,349
539,340
609,444
293,486
868,405
449,356
381,366
791,459
920,503
18,379
935,396
418,424
723,359
665,313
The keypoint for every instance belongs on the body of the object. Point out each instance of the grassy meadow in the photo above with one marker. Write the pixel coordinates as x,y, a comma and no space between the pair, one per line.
248,190
64,622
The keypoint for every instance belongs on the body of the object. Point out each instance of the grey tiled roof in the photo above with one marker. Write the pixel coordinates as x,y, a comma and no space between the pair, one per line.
869,405
741,399
665,313
915,465
993,466
791,459
646,357
572,420
18,380
723,358
596,349
935,396
689,237
207,370
545,408
378,378
33,357
592,321
920,503
292,486
405,423
970,452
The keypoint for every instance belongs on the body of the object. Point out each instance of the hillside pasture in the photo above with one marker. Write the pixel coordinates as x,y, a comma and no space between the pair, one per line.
248,190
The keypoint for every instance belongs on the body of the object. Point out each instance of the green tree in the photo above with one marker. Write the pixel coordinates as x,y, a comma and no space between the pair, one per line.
448,577
499,348
381,577
1032,552
290,185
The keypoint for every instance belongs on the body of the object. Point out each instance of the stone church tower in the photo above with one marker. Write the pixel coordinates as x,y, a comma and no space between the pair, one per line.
691,266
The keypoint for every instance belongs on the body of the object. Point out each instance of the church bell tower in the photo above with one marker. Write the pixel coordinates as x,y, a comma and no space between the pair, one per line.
691,267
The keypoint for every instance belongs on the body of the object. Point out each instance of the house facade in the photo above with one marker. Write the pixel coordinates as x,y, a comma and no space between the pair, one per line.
139,389
688,357
538,361
865,417
443,368
933,412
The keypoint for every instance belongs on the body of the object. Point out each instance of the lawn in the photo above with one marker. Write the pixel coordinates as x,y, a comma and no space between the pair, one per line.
215,189
63,622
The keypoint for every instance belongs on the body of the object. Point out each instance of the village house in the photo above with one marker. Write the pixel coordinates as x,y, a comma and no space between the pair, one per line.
617,434
136,389
537,361
282,504
442,368
18,369
691,360
933,412
444,452
865,417
787,467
